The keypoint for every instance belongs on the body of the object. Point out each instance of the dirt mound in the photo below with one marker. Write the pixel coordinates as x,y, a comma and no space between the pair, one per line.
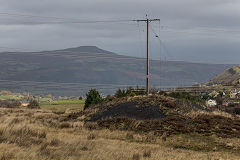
131,110
205,125
159,115
143,108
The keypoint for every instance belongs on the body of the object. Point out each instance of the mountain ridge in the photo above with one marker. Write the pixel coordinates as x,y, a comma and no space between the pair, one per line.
87,64
230,76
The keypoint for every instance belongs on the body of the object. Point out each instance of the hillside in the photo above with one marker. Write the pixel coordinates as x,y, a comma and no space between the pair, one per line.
73,71
159,114
228,77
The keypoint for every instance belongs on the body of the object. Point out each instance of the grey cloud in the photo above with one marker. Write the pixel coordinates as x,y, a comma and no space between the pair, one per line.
194,30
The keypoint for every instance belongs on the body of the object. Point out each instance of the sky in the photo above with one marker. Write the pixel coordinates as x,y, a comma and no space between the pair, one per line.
190,30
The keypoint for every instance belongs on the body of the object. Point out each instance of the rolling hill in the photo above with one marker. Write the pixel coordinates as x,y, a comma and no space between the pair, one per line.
228,77
73,71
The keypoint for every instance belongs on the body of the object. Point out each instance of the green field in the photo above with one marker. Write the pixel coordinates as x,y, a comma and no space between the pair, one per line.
64,105
7,97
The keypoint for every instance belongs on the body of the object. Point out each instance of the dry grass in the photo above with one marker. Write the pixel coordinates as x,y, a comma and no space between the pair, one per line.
63,107
36,134
194,114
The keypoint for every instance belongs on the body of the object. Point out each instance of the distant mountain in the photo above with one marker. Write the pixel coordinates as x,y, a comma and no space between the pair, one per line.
230,76
85,49
72,71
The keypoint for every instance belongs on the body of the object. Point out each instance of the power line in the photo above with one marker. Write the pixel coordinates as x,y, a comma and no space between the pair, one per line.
69,20
161,43
79,21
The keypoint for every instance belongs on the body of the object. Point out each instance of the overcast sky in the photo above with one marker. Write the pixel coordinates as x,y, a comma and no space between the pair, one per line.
190,30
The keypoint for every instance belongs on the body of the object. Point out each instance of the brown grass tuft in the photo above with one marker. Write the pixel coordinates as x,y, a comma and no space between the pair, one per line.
65,125
147,154
90,125
129,136
91,136
6,156
55,142
136,156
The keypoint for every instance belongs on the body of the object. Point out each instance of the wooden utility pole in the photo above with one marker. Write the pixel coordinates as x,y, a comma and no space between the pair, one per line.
147,73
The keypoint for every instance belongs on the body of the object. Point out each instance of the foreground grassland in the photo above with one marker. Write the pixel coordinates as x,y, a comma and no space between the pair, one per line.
64,105
44,134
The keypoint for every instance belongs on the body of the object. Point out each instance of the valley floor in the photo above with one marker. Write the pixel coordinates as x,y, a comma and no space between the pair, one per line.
40,134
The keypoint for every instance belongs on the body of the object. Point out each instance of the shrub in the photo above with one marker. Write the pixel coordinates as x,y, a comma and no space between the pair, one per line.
109,98
162,93
93,97
120,93
132,94
128,92
33,104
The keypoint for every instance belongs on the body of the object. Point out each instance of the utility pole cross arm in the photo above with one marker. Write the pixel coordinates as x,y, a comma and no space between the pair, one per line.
145,20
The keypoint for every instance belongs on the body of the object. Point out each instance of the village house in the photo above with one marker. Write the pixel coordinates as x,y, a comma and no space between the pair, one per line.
213,94
235,94
211,103
226,102
203,93
24,103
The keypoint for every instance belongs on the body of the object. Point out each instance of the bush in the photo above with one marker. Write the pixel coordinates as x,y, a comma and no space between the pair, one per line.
33,104
109,98
93,97
132,94
120,93
128,92
162,93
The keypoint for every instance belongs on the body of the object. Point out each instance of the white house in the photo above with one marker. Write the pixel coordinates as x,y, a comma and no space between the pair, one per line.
211,103
234,94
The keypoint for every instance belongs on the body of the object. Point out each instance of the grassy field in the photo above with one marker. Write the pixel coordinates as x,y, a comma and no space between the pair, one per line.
64,105
7,97
44,135
64,102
